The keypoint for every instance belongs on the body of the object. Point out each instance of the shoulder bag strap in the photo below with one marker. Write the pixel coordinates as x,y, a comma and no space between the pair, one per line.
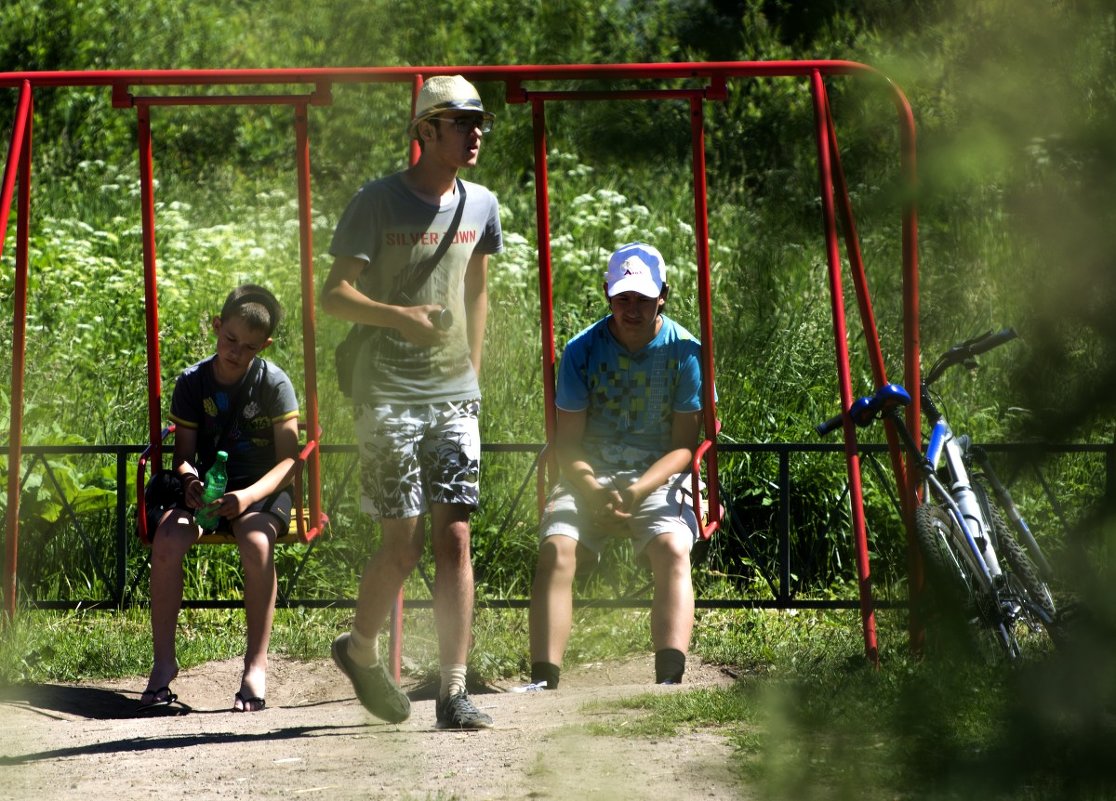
424,268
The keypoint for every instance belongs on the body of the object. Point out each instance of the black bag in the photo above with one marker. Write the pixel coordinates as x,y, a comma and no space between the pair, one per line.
164,491
345,355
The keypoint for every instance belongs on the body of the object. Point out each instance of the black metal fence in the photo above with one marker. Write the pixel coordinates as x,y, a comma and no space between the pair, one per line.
59,501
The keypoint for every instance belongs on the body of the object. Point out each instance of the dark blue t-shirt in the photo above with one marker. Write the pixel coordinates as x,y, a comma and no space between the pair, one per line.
264,397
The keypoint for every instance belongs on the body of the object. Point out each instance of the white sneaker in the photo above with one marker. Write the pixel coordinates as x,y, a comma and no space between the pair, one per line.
529,688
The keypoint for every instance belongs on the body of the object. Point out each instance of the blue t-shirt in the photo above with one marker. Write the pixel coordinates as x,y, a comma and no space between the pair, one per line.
629,398
264,397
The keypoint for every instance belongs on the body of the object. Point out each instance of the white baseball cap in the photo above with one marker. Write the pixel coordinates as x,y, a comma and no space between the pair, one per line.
446,93
636,267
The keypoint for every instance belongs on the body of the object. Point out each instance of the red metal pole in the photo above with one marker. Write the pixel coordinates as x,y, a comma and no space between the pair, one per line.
150,290
833,254
863,297
543,72
911,344
19,161
903,481
705,307
15,152
309,326
546,293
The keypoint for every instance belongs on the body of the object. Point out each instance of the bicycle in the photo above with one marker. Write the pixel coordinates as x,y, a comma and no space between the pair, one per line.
976,569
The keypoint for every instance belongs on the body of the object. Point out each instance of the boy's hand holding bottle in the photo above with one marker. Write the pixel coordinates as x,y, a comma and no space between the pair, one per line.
215,482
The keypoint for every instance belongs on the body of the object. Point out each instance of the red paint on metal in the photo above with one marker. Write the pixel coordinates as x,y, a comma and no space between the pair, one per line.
844,377
18,165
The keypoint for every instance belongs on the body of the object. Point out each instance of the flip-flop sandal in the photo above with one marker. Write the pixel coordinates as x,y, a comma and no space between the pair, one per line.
252,701
156,702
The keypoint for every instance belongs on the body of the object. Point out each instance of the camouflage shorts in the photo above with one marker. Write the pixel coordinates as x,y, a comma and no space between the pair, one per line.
412,456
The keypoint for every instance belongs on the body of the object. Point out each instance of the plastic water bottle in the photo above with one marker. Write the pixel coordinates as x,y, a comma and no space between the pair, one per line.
215,481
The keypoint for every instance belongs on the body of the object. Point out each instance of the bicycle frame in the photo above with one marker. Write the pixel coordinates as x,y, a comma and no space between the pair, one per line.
961,501
958,499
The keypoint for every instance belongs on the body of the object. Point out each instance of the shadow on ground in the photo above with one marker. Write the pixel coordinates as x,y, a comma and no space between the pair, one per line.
95,703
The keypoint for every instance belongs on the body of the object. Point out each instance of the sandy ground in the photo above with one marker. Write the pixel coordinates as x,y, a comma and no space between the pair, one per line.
314,740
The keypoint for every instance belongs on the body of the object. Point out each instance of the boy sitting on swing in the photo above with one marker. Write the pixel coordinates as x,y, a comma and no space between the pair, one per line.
233,401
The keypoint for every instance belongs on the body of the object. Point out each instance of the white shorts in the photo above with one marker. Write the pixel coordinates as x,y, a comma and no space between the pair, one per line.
670,508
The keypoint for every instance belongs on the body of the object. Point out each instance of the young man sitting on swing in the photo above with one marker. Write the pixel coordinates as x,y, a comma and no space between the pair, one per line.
629,419
237,402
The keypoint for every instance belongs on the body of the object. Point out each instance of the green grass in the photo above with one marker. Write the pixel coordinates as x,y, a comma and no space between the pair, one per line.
43,645
810,719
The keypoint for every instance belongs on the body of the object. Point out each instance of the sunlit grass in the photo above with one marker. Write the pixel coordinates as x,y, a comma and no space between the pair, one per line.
810,719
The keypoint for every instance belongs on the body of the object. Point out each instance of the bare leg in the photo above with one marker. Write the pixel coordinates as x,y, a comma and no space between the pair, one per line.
672,610
399,552
551,615
453,582
255,539
173,538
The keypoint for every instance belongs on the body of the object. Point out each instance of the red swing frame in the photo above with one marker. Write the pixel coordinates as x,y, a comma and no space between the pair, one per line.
834,194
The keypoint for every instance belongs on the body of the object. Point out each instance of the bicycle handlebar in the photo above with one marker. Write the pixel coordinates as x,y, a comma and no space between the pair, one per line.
865,410
989,341
830,425
964,352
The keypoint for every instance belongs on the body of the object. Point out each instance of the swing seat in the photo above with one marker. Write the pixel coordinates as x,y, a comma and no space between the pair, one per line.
302,529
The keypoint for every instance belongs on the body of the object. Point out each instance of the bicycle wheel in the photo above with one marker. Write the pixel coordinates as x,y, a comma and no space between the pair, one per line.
1024,573
1020,562
948,579
954,591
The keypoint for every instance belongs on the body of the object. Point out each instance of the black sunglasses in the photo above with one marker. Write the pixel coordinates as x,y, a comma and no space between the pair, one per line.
467,123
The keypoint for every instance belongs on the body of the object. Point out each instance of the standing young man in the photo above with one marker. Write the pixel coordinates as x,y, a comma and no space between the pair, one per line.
629,417
416,394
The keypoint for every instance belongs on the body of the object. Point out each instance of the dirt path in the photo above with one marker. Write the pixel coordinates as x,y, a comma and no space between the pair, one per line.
315,741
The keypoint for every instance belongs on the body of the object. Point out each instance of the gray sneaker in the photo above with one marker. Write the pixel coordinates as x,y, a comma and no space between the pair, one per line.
374,688
457,712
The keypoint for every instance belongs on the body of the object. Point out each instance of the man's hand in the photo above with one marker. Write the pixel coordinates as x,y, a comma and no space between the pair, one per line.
417,324
233,504
611,508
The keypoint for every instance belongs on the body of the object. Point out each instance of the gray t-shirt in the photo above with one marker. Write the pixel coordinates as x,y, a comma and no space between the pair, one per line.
388,226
